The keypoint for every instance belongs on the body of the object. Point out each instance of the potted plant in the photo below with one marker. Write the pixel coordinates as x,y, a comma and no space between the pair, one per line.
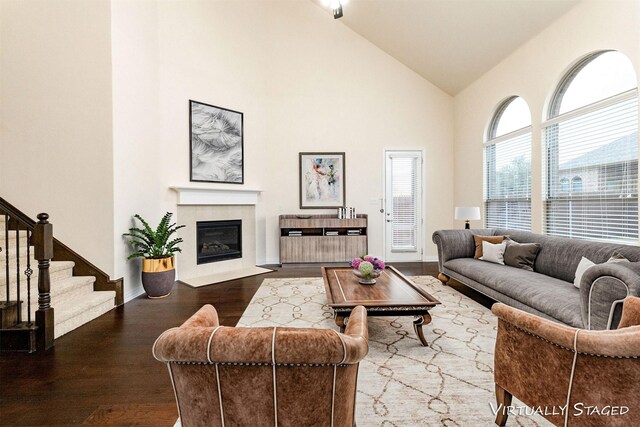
157,251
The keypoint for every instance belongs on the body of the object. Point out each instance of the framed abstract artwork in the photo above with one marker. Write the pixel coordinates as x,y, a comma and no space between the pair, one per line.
217,144
322,180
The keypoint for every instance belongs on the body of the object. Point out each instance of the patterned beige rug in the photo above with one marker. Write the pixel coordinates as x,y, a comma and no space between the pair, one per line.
401,383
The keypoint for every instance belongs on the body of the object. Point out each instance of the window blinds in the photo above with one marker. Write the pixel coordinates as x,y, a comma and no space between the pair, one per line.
591,176
404,185
507,189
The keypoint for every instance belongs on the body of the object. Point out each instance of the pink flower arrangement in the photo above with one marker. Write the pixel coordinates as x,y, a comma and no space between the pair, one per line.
356,262
377,263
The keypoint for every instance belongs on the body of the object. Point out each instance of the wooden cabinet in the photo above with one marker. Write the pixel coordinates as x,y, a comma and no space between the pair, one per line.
321,238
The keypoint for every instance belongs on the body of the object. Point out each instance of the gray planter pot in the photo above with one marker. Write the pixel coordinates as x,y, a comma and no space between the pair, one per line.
158,276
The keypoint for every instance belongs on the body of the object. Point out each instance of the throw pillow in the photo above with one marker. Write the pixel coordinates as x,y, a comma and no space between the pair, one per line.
493,252
582,267
618,257
521,255
479,239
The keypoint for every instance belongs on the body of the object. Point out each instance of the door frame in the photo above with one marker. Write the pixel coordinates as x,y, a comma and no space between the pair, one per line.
421,227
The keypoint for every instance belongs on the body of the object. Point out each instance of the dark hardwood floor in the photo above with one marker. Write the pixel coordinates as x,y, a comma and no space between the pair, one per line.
103,373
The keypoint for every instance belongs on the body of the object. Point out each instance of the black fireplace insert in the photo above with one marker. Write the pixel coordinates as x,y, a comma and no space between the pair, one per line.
218,240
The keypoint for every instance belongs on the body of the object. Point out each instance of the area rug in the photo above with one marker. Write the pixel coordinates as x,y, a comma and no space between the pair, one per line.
401,383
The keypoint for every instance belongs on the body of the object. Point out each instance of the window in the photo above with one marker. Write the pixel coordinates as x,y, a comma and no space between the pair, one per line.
507,167
591,138
512,115
576,184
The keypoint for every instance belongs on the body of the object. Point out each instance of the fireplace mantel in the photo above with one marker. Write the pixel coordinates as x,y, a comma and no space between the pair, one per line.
216,196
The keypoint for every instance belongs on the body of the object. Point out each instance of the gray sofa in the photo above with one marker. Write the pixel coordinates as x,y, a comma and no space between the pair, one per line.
548,291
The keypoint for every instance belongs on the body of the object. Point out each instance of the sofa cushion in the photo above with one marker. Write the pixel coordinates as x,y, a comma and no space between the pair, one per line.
582,267
559,257
493,252
478,242
557,298
521,255
586,263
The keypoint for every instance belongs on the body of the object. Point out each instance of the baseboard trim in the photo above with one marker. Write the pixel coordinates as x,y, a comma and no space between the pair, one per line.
133,294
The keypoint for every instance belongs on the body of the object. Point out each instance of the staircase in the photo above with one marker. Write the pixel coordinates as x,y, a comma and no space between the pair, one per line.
74,299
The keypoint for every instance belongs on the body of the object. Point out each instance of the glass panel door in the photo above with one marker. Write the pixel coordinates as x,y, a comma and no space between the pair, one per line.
403,206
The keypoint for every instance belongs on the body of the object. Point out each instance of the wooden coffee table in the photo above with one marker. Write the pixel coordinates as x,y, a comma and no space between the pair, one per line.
392,295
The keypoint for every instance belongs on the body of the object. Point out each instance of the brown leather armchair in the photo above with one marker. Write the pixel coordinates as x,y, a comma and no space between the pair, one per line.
263,376
572,377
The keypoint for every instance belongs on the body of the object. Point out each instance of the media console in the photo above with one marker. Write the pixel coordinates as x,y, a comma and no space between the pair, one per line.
321,238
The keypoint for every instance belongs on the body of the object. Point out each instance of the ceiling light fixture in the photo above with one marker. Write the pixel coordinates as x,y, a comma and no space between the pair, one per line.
336,6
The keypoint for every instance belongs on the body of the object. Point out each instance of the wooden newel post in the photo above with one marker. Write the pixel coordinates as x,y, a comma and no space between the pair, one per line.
43,251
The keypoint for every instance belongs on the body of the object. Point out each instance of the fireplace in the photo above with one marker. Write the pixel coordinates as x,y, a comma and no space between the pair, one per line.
218,240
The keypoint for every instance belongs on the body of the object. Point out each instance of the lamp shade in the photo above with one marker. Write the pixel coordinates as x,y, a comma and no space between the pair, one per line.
467,213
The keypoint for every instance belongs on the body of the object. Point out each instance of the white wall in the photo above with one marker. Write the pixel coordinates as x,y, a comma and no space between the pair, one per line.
102,88
139,178
305,82
56,129
334,91
532,72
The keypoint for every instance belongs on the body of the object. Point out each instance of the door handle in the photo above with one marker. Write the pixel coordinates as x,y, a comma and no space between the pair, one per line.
389,220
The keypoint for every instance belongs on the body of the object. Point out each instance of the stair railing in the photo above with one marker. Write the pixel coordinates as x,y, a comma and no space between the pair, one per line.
40,236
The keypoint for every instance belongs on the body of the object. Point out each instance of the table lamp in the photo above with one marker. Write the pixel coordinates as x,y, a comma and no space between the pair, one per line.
467,214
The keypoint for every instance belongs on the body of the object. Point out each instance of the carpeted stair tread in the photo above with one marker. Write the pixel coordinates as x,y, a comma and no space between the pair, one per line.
13,254
72,285
12,236
64,293
57,270
84,309
61,271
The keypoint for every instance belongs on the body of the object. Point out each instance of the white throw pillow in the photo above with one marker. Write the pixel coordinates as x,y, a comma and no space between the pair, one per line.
493,252
582,267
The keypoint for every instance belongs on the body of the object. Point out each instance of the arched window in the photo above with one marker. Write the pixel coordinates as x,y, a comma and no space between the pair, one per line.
591,135
576,184
507,167
512,115
597,77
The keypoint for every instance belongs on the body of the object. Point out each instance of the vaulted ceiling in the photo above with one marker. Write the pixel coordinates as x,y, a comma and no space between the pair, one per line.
451,43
